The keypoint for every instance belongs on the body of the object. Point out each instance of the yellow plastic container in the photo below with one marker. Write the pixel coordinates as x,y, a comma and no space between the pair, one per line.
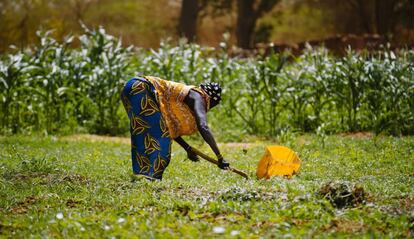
278,161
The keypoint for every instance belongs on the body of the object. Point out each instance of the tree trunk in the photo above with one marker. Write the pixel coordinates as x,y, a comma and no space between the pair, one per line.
79,8
385,17
248,11
364,17
377,16
23,25
187,26
246,21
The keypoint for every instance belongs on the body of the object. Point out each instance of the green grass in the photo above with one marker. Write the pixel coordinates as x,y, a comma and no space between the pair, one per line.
55,187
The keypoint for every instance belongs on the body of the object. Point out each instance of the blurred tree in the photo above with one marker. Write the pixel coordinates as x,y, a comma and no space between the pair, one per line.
187,26
192,11
262,33
18,20
248,11
370,16
129,19
379,16
79,7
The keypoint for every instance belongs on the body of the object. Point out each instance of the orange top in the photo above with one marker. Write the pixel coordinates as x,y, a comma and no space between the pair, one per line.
177,115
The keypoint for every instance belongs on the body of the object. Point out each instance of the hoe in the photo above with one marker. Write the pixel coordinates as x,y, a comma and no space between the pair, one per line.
276,161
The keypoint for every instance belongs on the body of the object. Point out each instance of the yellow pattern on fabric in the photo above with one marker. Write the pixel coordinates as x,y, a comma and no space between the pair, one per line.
159,164
144,163
164,129
137,88
126,102
148,106
177,115
138,125
142,160
151,144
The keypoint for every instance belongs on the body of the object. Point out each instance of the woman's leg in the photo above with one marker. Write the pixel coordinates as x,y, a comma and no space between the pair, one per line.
150,142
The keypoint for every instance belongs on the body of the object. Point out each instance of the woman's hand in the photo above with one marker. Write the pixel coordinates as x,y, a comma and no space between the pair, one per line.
191,155
222,163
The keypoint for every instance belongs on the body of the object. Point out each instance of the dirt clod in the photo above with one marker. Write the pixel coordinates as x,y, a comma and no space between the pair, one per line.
342,195
22,206
345,226
71,203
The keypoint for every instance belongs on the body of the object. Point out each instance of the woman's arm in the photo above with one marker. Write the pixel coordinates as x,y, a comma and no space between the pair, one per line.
182,143
190,154
196,102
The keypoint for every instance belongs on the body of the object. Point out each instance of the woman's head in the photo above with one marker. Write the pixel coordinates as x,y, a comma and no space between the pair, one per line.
214,91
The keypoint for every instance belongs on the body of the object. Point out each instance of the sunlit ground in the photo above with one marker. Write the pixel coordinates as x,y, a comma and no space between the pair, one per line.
81,186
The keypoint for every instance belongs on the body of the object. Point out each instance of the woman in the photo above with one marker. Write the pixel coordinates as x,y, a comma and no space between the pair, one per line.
160,111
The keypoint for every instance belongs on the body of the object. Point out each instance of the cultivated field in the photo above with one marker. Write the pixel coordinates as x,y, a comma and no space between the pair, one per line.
82,186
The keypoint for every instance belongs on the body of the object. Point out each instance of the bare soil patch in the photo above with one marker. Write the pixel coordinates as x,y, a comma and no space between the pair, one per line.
23,206
358,135
96,138
345,226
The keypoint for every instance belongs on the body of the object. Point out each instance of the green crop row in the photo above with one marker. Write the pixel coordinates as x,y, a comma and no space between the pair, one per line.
56,88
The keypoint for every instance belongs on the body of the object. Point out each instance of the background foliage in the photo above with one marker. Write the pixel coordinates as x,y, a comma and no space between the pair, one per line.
139,22
54,88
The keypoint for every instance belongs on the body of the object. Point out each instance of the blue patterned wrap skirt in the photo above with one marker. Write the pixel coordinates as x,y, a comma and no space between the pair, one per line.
150,141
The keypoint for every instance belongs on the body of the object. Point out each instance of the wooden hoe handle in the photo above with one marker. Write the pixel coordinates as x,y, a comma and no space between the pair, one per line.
211,160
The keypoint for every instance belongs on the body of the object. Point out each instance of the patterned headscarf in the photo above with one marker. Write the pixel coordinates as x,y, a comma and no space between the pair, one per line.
214,91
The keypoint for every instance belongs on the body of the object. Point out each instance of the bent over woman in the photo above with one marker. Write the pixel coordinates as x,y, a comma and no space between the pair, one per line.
161,111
